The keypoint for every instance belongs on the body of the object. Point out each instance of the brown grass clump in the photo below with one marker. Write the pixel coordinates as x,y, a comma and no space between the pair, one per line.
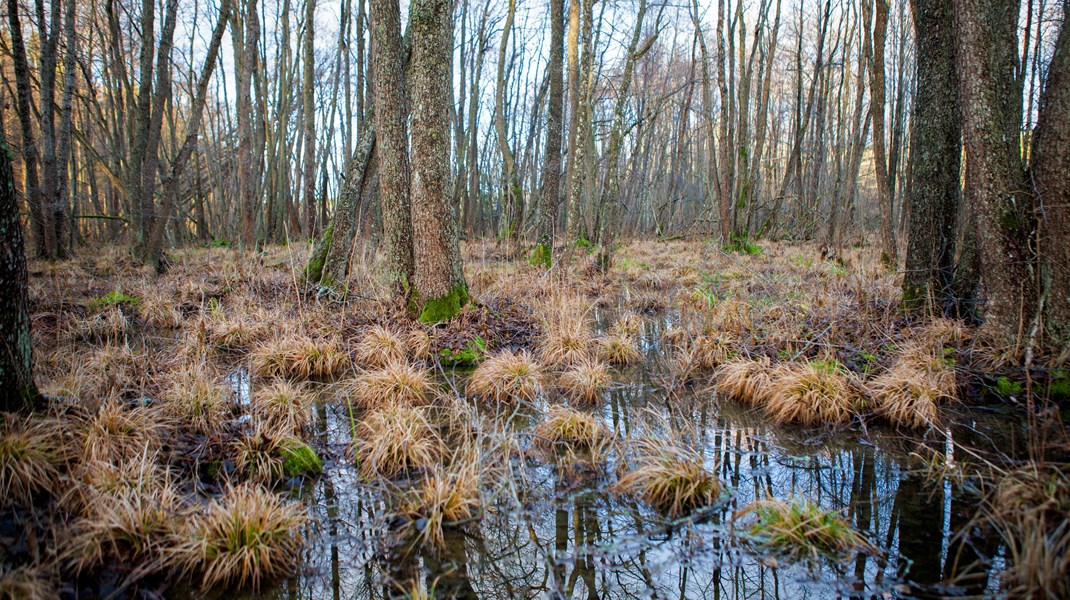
670,478
445,497
704,352
813,393
25,583
115,432
195,399
586,381
909,393
235,332
299,357
129,519
1028,508
745,379
569,431
242,539
109,325
397,383
258,454
159,311
566,338
285,406
379,347
419,343
628,325
618,349
395,440
507,376
803,530
31,459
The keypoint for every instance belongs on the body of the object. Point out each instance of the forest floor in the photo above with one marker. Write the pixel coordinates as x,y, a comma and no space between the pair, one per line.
189,411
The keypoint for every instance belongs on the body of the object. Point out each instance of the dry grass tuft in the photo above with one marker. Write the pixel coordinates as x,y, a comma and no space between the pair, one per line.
670,478
507,376
247,537
445,497
813,393
567,431
160,311
585,382
300,357
704,352
110,325
195,399
379,347
397,383
909,393
394,440
115,432
745,379
236,332
618,349
25,583
628,325
802,530
419,343
257,454
31,459
284,406
566,338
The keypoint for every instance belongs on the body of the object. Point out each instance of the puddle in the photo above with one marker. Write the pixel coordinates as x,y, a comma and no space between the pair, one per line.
572,538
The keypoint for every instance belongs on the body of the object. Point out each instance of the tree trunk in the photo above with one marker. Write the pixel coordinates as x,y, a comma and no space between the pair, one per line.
440,288
578,148
1051,177
879,12
512,203
551,166
388,75
24,98
308,97
936,137
17,389
245,30
48,32
991,117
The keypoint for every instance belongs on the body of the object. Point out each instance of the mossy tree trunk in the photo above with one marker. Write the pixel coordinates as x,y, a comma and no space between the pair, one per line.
388,76
581,115
550,198
935,160
17,389
440,287
1051,178
995,185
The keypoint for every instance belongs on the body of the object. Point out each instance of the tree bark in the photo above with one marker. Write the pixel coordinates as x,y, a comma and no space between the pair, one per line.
879,11
995,186
17,389
308,97
391,126
440,288
551,166
1051,178
936,139
24,98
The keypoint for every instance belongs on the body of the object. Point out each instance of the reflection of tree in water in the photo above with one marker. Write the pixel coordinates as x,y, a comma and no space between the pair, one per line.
569,537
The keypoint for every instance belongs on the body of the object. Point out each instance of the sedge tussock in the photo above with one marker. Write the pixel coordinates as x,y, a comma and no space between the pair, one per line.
572,431
110,325
670,478
257,454
116,432
130,522
908,394
395,440
618,349
247,537
285,406
240,331
159,311
813,393
31,459
506,377
704,352
25,583
379,347
585,382
299,357
445,497
628,325
195,399
802,530
419,344
745,379
394,384
566,338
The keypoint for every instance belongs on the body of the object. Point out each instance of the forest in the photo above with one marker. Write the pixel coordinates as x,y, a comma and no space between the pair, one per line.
534,298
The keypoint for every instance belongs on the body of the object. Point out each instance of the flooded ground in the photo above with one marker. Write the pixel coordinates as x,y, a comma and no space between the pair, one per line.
550,533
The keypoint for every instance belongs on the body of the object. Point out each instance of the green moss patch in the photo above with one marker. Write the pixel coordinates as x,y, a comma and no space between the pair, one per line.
469,356
1007,387
114,298
445,307
299,459
541,256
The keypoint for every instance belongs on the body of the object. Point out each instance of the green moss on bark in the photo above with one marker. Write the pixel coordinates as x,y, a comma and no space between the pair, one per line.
316,262
439,309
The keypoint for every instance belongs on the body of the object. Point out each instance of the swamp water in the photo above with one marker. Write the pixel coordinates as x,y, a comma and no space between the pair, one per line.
560,535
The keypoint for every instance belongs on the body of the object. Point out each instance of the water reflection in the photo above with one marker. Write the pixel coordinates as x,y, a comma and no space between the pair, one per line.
579,540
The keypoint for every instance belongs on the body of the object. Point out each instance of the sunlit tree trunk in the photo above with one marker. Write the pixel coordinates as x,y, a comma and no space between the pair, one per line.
551,166
878,11
308,98
440,287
